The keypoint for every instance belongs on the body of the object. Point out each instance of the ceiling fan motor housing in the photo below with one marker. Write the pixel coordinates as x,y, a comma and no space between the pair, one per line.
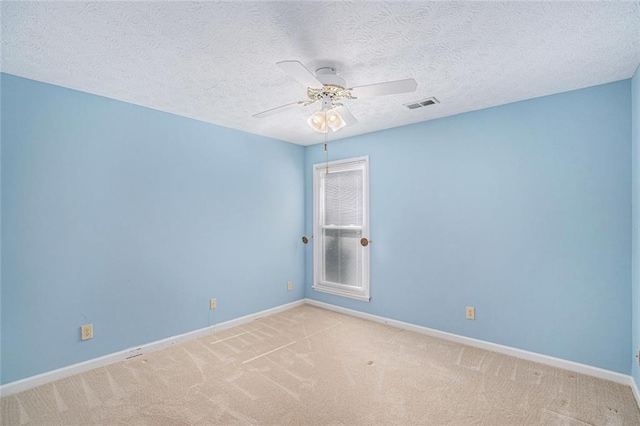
333,86
329,77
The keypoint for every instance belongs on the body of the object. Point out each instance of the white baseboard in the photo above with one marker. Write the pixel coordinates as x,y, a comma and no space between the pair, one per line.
81,367
40,379
507,350
636,391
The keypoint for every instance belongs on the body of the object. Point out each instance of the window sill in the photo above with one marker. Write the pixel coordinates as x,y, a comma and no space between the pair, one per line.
341,293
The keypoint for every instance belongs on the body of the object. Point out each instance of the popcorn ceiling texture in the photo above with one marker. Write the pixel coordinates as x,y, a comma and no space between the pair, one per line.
216,61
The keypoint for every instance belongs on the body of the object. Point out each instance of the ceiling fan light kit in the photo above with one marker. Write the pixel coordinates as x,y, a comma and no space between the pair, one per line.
321,120
327,87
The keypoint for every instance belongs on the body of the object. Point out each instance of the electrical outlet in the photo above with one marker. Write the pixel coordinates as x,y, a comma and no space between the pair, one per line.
86,332
289,285
213,304
471,313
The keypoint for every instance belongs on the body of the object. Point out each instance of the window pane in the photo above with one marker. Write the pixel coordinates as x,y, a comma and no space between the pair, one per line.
342,256
343,198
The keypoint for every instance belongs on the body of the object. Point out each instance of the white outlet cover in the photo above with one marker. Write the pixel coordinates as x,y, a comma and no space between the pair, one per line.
86,332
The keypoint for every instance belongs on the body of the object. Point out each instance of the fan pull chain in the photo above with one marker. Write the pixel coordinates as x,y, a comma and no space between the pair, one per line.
326,142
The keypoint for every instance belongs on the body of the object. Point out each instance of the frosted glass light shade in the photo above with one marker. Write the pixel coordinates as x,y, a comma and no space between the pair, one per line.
334,120
317,122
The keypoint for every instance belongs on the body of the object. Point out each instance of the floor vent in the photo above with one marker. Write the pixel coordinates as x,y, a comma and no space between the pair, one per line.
422,103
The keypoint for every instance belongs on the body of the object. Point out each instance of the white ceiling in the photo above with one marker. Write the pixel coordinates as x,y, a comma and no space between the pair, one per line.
215,62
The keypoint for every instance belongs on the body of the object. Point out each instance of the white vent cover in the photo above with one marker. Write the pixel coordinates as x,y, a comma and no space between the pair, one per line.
422,103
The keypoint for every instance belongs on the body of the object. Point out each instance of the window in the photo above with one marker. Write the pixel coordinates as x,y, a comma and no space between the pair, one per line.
340,222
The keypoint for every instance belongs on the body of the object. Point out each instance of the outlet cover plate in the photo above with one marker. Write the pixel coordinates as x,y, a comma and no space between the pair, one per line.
471,313
86,332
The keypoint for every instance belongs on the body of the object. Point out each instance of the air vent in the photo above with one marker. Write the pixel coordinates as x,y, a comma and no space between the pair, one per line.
422,103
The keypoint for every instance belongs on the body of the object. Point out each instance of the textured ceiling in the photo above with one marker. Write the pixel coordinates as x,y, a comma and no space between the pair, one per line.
216,62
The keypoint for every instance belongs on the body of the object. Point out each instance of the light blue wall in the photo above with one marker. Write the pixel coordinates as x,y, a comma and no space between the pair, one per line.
132,219
635,124
523,211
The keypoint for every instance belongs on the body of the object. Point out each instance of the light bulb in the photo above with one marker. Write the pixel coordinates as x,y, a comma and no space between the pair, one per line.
317,122
335,120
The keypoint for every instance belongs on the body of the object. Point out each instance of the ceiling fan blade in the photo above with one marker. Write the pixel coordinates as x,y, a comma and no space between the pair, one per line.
277,109
346,115
388,88
298,71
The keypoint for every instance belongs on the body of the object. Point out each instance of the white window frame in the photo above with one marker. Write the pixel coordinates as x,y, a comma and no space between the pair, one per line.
319,170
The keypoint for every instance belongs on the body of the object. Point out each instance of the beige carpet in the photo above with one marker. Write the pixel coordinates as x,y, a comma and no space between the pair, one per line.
311,366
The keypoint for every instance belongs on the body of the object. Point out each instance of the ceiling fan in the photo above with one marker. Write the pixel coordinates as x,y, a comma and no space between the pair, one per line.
326,87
